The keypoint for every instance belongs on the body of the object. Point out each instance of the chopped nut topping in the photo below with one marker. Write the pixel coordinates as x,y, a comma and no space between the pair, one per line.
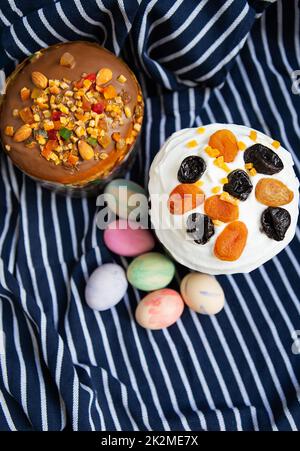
72,121
9,130
25,93
67,60
122,79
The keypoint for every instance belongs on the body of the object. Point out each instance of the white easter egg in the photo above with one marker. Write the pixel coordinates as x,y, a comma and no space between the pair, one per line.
106,287
202,293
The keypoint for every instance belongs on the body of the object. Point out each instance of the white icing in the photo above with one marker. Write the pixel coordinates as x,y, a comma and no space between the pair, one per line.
163,178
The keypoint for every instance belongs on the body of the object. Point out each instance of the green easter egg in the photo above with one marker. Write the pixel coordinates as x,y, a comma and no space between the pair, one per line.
150,271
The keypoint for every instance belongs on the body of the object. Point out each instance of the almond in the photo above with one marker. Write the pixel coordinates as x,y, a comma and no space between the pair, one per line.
85,150
22,133
39,80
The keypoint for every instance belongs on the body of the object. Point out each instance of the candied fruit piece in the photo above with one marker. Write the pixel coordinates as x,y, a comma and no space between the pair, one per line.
104,76
9,130
52,134
48,148
273,193
98,107
192,143
241,145
263,159
104,140
275,222
216,208
86,105
276,144
91,76
238,185
226,143
200,227
26,115
25,93
109,92
72,159
191,169
185,197
55,115
231,242
67,60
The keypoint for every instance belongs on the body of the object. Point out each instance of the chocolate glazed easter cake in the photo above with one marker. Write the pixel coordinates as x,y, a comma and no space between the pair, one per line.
71,115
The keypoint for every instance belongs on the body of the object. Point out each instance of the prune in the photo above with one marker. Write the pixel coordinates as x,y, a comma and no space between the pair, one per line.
264,160
200,227
275,222
239,184
191,169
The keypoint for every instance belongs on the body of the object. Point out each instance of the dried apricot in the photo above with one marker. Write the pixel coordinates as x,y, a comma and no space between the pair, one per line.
185,197
231,242
273,193
216,208
226,143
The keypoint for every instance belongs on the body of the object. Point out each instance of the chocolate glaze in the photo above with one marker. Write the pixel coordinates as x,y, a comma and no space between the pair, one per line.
89,57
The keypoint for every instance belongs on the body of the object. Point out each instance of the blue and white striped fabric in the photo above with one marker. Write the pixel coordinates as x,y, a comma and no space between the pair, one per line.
67,367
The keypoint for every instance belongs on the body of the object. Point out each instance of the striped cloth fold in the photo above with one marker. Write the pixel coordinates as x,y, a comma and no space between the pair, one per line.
64,366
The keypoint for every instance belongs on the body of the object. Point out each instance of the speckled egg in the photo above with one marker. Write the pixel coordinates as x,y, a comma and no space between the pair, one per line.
159,309
122,202
106,287
202,293
125,238
150,271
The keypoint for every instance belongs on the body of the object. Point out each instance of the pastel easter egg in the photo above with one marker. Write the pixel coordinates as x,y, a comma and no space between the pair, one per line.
123,196
106,286
150,271
159,309
124,238
202,293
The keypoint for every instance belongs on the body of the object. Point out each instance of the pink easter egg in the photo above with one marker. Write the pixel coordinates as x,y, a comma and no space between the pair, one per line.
159,309
123,238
